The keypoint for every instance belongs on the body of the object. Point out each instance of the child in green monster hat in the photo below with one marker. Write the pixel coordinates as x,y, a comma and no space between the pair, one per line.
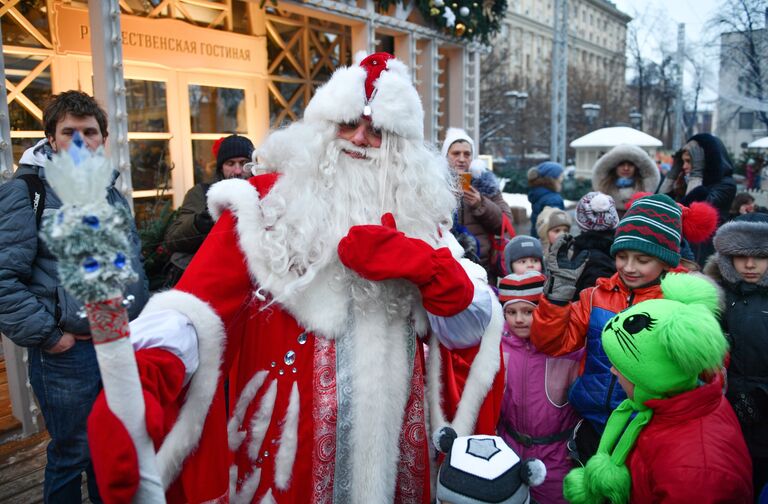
683,443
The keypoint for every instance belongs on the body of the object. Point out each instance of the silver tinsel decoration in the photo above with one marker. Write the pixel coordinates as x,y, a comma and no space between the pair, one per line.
88,235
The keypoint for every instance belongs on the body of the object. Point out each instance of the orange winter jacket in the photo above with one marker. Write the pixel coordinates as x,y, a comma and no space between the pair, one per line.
559,330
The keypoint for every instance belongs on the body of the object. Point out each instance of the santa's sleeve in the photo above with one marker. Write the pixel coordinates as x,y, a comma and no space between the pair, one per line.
464,370
466,329
214,291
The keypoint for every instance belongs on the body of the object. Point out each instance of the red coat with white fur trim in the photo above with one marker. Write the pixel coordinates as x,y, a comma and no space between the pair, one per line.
311,419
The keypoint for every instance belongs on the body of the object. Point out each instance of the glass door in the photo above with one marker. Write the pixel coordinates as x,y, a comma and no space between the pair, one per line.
155,151
214,107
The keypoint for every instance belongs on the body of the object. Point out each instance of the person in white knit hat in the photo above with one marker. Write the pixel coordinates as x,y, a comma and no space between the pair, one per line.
313,294
482,205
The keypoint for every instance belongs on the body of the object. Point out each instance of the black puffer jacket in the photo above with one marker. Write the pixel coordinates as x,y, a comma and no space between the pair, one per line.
745,322
600,264
34,307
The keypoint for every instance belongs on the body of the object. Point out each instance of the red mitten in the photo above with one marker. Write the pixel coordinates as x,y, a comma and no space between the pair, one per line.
112,451
382,253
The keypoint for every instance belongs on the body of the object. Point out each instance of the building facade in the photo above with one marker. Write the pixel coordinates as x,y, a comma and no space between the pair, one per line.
597,33
196,70
740,102
596,43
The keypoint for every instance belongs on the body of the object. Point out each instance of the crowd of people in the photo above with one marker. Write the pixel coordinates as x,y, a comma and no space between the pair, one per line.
345,328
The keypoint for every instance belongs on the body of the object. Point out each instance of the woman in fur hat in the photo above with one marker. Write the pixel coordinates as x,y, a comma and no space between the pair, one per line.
740,266
624,171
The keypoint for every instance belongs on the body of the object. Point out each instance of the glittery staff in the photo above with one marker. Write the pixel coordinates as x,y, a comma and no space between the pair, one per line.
89,237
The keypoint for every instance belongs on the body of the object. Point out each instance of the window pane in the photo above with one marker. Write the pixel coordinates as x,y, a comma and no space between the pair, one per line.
150,164
21,119
38,91
203,161
217,110
746,120
36,12
147,210
147,105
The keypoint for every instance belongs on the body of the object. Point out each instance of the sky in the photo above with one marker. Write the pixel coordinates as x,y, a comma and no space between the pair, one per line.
657,22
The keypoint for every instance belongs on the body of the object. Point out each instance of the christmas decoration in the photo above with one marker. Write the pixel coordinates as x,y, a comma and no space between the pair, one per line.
464,19
450,17
87,234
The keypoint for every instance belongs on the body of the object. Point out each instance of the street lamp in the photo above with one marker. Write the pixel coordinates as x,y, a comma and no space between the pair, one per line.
636,119
591,111
517,100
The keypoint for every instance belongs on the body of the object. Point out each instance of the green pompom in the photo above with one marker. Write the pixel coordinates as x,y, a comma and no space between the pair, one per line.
575,488
693,340
691,289
607,480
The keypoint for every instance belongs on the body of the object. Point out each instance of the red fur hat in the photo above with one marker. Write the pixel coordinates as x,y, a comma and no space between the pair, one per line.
699,219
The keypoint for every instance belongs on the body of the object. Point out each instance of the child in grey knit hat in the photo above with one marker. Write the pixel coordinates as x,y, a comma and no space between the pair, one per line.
523,253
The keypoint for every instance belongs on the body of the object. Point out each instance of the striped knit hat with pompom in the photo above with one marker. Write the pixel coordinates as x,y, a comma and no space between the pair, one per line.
652,225
526,287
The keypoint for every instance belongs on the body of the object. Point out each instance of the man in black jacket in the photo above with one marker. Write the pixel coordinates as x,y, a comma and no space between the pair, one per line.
193,222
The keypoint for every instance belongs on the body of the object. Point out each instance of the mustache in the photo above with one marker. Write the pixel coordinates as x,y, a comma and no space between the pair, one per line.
370,153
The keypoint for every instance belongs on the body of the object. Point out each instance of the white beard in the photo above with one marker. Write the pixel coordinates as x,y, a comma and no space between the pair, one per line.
310,209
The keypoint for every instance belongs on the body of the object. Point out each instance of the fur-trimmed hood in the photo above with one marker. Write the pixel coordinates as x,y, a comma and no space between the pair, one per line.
646,171
738,238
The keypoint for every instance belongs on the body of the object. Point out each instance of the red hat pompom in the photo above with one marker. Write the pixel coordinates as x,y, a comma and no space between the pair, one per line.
699,221
215,148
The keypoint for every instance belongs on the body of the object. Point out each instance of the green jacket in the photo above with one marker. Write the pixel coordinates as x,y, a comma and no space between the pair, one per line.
190,226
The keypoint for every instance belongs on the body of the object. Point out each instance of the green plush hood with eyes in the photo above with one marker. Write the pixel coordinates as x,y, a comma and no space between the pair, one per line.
661,346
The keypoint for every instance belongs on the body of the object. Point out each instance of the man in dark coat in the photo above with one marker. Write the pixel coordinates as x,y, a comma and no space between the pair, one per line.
193,222
35,310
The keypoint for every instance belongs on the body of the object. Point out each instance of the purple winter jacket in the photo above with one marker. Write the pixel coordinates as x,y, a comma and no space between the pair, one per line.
536,403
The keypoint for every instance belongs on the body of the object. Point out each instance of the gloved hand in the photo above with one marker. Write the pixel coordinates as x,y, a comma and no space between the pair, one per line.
698,159
563,269
382,253
204,222
112,452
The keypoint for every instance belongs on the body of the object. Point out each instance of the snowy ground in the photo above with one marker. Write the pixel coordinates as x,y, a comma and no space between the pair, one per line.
521,200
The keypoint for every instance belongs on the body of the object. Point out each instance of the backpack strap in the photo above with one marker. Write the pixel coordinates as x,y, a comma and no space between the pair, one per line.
36,190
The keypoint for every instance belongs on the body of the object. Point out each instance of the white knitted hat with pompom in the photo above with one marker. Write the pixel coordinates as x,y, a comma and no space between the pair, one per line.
596,211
